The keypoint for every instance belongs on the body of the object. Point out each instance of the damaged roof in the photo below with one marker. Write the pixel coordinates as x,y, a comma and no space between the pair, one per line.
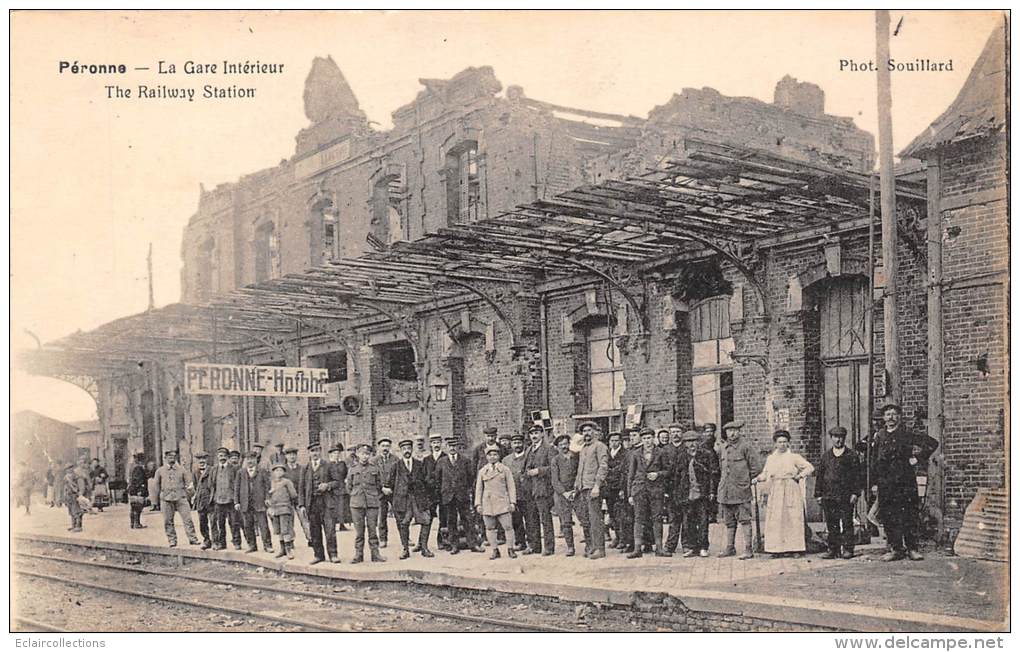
979,109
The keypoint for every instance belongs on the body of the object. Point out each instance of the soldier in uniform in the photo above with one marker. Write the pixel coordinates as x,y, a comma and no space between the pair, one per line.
541,536
409,493
456,485
202,502
563,472
616,494
436,453
365,484
739,462
385,460
316,500
897,456
839,479
515,461
250,495
648,476
137,490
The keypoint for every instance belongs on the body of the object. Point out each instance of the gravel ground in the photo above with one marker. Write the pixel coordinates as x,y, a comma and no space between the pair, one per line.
524,609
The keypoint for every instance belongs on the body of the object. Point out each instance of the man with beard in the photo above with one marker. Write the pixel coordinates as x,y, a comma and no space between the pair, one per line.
592,468
693,489
409,494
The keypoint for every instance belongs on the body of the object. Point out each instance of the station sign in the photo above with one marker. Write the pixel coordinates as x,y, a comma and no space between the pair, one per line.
253,380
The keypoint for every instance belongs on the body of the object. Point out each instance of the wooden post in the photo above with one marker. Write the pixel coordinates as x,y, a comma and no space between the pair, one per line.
936,480
887,186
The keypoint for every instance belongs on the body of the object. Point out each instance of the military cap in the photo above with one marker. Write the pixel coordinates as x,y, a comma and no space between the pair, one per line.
363,445
384,440
581,426
405,442
290,449
169,452
258,446
733,424
781,433
223,449
536,428
517,436
492,448
691,435
335,448
314,447
235,454
646,431
561,438
490,430
435,435
838,431
68,467
891,406
201,455
279,466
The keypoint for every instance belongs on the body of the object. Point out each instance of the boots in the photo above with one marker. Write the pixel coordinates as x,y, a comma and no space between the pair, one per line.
731,537
638,548
375,554
745,533
657,533
423,541
290,549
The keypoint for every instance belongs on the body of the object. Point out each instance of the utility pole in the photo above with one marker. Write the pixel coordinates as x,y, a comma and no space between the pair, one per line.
152,303
887,187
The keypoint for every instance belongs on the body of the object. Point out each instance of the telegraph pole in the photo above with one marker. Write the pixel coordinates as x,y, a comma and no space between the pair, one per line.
887,187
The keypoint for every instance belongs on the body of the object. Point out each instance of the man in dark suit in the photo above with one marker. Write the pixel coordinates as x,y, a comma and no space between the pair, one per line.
616,493
839,478
137,490
538,470
223,481
336,459
250,496
515,460
409,495
202,501
647,479
694,483
436,453
315,498
385,460
456,485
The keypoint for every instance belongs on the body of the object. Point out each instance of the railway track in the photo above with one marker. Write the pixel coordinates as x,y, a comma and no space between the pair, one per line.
34,626
265,590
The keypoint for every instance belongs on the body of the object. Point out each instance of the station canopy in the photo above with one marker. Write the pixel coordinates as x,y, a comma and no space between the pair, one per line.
709,198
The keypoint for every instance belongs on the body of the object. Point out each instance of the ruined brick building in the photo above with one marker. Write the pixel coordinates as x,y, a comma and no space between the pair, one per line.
492,255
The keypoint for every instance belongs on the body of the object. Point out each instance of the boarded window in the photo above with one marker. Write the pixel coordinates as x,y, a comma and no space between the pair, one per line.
843,333
605,368
712,344
844,319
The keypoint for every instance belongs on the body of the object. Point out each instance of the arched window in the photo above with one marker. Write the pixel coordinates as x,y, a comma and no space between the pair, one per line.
463,184
267,253
712,368
387,212
322,232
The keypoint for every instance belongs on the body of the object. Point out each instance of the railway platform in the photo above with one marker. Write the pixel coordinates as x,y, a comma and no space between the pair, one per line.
942,593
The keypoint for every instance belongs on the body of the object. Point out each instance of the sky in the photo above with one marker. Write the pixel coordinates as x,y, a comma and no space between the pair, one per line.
94,180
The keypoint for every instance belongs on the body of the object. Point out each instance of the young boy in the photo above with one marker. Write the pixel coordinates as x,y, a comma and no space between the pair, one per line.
496,500
280,505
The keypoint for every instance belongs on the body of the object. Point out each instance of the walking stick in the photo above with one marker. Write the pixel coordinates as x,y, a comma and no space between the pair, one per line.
759,541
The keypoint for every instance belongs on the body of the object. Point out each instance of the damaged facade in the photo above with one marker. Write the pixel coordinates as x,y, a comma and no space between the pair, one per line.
773,331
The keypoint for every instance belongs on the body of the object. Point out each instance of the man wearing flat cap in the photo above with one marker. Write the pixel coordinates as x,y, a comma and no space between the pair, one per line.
174,485
385,460
897,456
250,494
202,502
408,490
515,461
340,492
222,481
479,459
695,477
648,477
563,471
739,462
592,468
839,479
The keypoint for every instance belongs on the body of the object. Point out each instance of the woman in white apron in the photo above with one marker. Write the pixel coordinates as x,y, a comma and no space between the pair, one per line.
784,513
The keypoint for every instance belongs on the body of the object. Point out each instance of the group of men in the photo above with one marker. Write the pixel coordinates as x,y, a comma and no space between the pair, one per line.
645,479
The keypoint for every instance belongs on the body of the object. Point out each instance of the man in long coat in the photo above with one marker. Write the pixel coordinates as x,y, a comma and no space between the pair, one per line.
896,458
316,498
647,480
436,453
496,500
695,477
202,502
250,494
222,485
537,466
409,495
620,511
838,481
456,485
385,460
515,461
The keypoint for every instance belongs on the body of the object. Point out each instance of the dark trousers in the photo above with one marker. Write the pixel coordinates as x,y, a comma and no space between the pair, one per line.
520,522
222,516
365,518
538,522
75,511
136,514
205,520
458,511
648,508
676,517
322,526
384,515
613,505
594,527
898,515
253,521
839,523
403,519
693,514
